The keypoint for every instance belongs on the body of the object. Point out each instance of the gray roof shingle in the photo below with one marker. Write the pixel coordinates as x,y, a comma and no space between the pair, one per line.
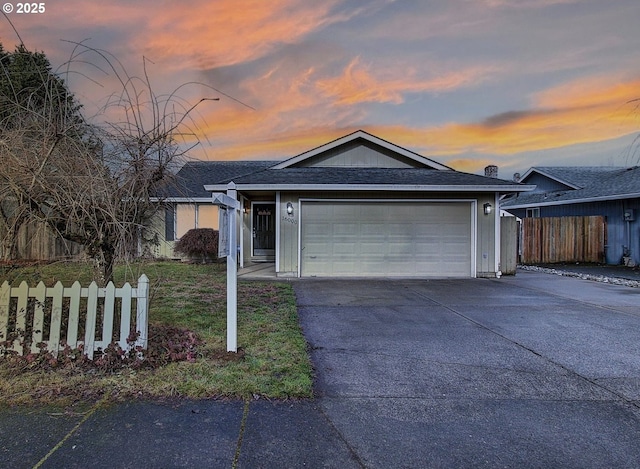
580,176
366,176
594,183
190,180
192,177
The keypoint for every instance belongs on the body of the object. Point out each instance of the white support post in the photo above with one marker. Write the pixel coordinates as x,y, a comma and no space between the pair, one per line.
232,276
229,218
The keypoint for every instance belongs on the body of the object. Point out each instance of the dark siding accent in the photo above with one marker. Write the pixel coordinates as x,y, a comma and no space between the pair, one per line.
169,223
545,184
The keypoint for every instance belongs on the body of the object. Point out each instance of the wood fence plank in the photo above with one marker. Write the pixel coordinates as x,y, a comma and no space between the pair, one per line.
5,302
508,245
36,241
74,294
37,332
142,304
107,318
56,293
125,315
22,294
92,313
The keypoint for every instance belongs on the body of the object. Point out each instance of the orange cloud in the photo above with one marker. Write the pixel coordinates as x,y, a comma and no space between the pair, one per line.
560,118
199,35
205,34
358,84
471,165
278,146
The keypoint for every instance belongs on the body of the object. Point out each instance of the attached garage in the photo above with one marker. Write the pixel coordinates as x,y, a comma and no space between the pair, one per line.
387,238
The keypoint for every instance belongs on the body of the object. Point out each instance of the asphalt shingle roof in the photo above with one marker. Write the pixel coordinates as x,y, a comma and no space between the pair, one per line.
190,180
581,176
593,182
366,176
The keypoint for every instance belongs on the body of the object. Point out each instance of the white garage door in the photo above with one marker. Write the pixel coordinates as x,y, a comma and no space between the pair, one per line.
386,239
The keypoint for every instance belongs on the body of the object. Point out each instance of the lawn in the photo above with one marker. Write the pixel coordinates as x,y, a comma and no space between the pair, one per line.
272,360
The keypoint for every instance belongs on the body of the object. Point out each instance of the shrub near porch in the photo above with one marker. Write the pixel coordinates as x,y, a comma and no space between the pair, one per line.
272,360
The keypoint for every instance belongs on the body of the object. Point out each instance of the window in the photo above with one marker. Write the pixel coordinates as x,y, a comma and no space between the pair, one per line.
183,217
207,216
533,212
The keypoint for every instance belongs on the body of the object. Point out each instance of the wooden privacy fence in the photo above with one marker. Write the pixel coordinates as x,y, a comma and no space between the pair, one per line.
32,315
508,245
563,239
36,241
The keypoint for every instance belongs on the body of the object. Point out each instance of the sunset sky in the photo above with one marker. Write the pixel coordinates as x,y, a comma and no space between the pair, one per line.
516,83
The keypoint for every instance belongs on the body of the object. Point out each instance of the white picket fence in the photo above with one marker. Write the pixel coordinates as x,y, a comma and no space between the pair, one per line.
49,308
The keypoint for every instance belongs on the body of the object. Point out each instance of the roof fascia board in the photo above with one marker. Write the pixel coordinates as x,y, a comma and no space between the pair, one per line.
603,198
189,200
374,187
366,136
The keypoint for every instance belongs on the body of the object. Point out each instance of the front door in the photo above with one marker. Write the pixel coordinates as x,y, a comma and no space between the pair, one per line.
264,229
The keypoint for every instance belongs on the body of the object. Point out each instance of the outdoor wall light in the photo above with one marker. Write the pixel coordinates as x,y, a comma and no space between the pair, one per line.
289,208
487,208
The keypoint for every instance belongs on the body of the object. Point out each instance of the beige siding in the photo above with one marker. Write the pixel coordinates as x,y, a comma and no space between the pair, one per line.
358,155
156,232
486,246
288,241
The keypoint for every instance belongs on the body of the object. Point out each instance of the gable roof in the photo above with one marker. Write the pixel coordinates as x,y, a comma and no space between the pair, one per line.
365,137
195,180
588,184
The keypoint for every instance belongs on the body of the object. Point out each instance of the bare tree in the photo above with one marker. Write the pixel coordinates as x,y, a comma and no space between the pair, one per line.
94,183
37,113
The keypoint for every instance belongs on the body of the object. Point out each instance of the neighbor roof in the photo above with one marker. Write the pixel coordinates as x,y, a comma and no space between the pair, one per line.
576,177
591,183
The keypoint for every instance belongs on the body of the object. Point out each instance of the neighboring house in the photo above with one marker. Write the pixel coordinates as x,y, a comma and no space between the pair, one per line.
612,192
356,206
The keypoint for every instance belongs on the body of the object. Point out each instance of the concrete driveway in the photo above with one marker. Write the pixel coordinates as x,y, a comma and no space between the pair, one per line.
528,371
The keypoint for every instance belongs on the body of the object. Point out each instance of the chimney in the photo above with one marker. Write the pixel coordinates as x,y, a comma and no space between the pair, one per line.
491,171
